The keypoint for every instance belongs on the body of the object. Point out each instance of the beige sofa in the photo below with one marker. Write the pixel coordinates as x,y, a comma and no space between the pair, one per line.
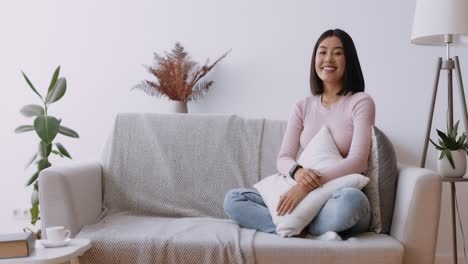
210,154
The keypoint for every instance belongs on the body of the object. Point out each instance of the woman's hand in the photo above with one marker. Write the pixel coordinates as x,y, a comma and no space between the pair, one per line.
308,178
291,199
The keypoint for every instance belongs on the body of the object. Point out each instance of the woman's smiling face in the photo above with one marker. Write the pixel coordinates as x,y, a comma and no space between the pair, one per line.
330,60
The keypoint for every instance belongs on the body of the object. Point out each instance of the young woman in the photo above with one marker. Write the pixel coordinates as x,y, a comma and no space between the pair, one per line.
338,101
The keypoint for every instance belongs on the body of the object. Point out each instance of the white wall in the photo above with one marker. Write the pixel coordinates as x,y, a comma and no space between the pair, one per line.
101,46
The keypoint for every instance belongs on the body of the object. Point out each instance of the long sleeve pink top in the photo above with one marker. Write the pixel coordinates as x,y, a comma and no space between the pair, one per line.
350,122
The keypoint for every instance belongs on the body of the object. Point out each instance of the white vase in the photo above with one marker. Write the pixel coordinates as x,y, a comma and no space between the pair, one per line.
179,107
445,169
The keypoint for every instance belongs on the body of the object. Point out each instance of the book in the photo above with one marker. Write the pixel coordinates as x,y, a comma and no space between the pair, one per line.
17,245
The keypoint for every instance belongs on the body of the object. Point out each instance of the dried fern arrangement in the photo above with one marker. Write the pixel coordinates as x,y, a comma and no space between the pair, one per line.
177,76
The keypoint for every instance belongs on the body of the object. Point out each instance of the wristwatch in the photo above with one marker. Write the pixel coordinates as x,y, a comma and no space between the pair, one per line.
294,169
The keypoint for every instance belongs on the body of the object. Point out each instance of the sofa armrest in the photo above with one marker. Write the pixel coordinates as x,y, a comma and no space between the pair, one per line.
416,215
71,195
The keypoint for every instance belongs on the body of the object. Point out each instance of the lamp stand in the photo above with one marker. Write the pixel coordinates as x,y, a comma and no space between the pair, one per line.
448,65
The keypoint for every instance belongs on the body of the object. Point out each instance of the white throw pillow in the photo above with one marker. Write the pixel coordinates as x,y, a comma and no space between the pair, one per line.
319,153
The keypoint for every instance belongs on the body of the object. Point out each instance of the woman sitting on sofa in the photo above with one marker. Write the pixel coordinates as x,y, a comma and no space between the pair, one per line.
339,102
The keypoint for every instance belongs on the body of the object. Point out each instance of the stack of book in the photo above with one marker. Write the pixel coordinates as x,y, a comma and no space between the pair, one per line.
16,245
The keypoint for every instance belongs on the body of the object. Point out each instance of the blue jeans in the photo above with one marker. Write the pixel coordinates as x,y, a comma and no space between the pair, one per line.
347,212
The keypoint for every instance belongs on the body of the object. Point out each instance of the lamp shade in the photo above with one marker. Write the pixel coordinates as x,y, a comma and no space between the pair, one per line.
433,19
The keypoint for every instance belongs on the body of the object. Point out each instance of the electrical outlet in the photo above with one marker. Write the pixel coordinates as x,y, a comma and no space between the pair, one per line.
21,214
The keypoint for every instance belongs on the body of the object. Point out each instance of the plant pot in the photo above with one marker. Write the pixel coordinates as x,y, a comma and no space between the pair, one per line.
445,169
179,107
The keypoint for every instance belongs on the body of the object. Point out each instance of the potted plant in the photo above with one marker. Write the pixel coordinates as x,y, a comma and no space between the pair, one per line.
453,150
177,77
46,127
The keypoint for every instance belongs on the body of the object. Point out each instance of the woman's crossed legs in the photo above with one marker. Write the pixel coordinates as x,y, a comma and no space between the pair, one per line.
347,212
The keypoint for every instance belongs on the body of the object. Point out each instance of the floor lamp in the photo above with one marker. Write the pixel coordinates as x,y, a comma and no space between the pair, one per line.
443,23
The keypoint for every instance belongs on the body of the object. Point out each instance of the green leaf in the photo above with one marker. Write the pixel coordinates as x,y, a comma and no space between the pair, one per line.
31,160
68,132
449,157
33,178
54,79
44,149
442,154
32,110
442,136
42,164
440,142
62,150
433,143
443,145
57,92
46,128
34,213
453,133
30,84
57,153
24,128
461,141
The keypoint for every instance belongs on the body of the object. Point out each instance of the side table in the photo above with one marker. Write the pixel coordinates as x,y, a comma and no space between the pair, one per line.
452,182
42,255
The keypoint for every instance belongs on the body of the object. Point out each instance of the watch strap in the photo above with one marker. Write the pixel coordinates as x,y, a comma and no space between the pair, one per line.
294,170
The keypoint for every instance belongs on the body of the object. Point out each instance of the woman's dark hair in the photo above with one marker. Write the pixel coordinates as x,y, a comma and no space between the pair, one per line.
353,80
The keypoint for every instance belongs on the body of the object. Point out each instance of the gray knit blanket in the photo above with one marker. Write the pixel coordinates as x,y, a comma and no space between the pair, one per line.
159,167
123,238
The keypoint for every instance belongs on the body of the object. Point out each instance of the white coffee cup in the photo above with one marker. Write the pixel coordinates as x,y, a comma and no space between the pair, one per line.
57,233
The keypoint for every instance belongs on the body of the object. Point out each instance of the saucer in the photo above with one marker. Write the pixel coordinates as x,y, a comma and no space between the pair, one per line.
50,244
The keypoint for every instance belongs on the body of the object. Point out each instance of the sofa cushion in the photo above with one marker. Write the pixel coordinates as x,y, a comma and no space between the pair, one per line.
383,174
365,248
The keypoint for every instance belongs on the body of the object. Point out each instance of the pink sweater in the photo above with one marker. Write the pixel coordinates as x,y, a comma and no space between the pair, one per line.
350,122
